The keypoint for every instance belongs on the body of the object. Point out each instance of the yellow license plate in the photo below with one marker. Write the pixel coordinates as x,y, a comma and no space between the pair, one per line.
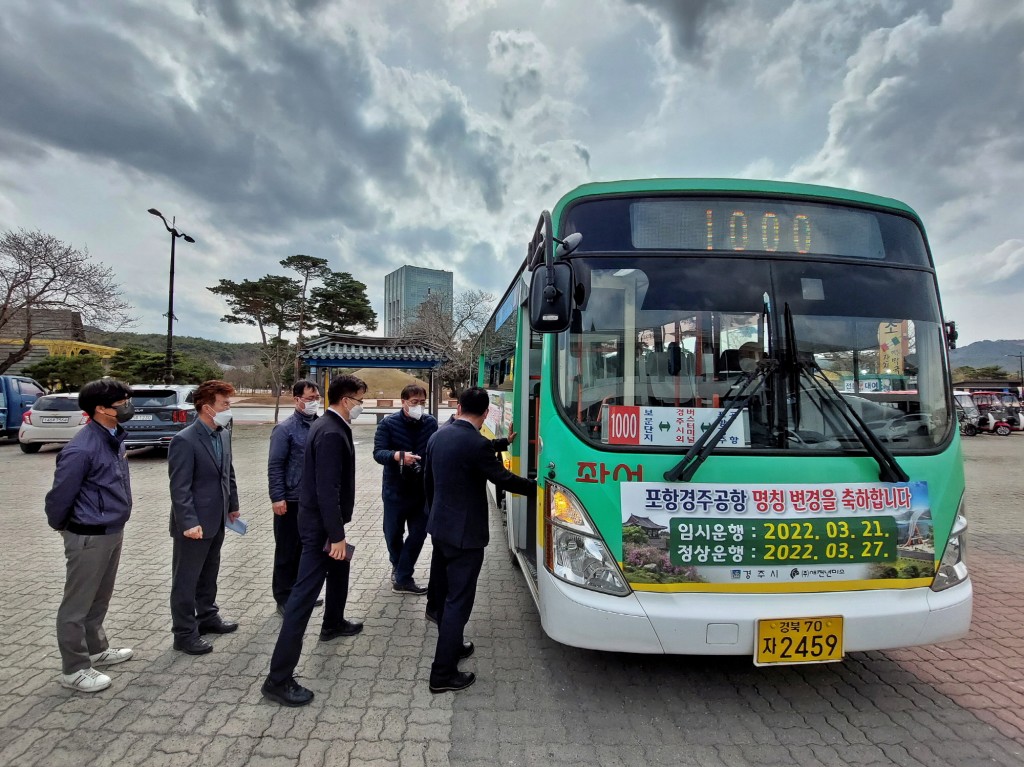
799,640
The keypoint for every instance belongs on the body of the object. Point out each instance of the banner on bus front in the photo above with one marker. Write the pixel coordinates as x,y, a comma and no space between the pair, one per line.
879,534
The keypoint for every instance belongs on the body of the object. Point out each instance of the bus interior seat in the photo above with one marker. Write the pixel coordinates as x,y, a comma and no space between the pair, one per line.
668,376
729,362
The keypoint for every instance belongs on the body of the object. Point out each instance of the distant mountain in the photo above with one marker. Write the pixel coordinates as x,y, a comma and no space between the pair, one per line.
221,352
981,354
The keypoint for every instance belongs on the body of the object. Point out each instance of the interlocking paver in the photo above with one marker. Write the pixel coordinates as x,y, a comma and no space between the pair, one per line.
536,702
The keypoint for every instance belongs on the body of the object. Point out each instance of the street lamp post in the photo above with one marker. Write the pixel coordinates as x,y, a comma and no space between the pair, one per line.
175,234
1020,358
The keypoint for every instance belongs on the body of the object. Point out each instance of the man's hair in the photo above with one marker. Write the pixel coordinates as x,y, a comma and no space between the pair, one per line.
102,393
344,386
299,388
474,401
207,393
411,390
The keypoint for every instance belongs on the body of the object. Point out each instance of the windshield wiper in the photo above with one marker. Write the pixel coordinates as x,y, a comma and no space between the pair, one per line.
752,383
889,469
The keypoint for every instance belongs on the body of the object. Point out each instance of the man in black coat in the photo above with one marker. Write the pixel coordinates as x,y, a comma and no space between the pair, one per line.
458,464
326,498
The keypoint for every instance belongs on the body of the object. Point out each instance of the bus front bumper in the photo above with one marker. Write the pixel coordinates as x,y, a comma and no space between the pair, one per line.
690,623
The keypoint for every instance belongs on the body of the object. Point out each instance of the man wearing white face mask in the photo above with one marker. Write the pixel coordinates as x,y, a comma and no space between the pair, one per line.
749,355
398,444
284,476
203,497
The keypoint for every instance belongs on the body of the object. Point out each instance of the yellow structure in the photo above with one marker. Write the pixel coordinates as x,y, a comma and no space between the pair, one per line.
63,348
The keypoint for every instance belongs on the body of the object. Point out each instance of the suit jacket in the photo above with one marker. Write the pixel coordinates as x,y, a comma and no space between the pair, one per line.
202,492
458,464
328,490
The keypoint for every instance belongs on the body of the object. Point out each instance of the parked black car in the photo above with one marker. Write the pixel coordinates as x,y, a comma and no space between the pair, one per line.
161,411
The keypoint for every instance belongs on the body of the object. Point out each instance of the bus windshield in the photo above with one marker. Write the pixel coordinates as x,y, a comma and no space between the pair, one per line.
659,344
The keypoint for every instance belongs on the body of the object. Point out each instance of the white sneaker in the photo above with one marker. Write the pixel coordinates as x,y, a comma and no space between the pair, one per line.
86,680
111,656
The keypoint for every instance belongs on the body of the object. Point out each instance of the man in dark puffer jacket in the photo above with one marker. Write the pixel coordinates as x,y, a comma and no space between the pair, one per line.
398,445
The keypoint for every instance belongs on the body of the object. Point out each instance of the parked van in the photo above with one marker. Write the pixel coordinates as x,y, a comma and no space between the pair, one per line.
17,393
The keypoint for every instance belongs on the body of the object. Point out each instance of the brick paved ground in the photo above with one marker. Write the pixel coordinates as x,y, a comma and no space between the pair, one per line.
536,702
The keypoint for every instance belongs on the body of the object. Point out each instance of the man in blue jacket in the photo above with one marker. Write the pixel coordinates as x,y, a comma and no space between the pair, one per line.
398,445
459,463
89,503
284,474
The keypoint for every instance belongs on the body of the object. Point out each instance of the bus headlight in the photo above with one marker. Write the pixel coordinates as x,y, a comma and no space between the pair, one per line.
574,550
953,565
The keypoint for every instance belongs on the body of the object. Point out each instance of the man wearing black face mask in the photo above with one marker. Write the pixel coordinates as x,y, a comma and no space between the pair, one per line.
89,504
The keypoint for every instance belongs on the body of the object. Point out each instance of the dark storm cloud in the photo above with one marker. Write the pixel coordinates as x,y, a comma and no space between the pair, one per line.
468,152
689,21
268,126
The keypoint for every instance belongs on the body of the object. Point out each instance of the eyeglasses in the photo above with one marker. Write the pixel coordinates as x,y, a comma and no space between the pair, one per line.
357,400
308,399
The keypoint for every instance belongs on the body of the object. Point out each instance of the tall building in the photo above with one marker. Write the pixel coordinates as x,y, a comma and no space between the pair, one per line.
408,287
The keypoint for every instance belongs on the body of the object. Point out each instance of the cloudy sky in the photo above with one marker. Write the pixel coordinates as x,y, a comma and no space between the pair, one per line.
376,134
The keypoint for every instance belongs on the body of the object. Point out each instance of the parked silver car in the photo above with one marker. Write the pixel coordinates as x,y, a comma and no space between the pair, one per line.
52,419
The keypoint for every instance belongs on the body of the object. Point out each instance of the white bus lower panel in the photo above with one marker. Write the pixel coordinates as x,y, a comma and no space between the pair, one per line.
725,624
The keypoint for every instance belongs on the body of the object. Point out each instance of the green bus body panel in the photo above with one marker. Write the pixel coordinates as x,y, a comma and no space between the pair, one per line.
943,472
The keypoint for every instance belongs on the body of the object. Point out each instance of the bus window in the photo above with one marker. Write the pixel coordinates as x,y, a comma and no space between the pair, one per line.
670,333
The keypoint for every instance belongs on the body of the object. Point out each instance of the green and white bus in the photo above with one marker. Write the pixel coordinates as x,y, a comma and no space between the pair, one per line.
735,397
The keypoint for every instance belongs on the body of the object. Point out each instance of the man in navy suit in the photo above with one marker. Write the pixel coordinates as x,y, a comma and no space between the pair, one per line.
326,498
457,466
203,498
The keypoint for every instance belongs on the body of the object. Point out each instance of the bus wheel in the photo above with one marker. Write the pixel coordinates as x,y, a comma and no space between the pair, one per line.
1003,430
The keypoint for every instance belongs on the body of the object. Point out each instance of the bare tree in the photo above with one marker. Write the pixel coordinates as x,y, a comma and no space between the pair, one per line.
451,334
38,271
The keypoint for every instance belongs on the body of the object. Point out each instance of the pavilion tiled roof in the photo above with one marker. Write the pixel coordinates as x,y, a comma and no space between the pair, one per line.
644,522
358,348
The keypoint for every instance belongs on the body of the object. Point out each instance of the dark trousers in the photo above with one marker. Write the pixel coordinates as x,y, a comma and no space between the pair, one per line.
462,567
404,553
91,570
437,586
195,565
287,552
315,567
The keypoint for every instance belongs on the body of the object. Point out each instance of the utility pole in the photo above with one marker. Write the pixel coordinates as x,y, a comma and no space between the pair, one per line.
1020,358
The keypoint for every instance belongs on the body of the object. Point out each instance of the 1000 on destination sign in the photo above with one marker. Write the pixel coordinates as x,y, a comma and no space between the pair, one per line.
777,542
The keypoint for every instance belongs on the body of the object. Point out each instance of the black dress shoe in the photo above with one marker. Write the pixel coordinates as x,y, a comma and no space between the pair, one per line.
280,609
290,693
460,681
466,651
318,602
408,587
219,626
193,646
430,616
346,629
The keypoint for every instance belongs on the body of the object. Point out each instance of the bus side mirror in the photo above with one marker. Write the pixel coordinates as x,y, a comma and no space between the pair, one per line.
551,297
